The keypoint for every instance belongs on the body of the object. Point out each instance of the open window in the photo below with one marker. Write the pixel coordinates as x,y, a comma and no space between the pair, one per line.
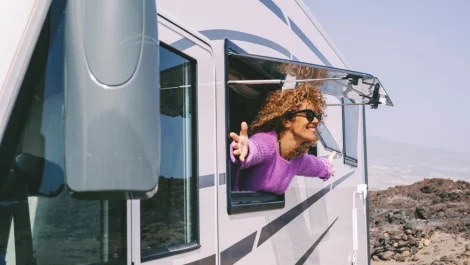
250,78
364,89
243,103
327,140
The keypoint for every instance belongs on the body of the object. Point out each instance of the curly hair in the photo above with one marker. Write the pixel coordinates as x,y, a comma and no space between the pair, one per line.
305,72
272,114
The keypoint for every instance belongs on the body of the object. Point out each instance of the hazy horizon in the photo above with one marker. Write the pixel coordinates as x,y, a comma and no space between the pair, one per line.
418,50
417,145
392,163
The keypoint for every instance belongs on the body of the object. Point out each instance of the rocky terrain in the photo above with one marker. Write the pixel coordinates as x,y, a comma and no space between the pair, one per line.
427,222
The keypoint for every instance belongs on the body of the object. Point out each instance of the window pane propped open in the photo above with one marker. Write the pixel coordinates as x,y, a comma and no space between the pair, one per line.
248,73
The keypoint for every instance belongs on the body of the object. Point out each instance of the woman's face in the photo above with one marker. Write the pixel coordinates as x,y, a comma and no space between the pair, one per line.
300,126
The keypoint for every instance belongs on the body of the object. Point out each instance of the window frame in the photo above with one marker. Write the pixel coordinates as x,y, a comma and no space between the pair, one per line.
196,243
241,203
347,159
244,202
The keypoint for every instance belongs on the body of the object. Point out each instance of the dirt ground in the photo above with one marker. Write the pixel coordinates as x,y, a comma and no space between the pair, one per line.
442,244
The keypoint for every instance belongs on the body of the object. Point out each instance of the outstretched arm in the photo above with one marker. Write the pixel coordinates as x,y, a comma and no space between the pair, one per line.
239,147
312,166
246,152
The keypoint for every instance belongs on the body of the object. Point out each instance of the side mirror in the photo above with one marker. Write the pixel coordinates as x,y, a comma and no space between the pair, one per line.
112,99
39,176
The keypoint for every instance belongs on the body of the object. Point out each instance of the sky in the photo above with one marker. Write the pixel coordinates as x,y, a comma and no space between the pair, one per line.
420,51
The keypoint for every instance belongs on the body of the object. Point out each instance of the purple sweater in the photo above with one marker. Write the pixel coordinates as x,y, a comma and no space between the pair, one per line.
268,171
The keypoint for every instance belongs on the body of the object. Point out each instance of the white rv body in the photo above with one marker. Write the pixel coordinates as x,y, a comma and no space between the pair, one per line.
316,224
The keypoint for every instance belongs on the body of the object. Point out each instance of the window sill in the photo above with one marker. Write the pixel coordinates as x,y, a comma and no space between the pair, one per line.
170,251
248,201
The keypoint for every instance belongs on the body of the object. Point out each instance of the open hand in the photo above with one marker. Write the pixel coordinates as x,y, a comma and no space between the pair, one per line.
240,142
331,157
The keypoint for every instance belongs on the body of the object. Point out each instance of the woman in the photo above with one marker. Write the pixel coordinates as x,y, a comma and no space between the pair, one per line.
281,134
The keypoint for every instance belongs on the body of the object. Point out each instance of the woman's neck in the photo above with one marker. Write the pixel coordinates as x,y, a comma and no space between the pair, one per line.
287,144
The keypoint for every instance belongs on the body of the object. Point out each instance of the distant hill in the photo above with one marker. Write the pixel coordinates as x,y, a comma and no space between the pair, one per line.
396,163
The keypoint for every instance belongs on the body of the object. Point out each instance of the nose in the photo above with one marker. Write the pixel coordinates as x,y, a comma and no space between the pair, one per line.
315,121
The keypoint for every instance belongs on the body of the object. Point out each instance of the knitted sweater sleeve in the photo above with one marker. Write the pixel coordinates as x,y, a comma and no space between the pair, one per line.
261,146
312,166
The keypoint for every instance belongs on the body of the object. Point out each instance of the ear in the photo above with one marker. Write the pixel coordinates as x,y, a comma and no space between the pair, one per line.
287,123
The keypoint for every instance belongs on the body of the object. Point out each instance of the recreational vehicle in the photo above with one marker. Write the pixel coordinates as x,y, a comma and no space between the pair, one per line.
114,124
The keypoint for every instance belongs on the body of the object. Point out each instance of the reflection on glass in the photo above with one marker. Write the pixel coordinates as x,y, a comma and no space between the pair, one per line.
168,219
333,81
39,221
327,139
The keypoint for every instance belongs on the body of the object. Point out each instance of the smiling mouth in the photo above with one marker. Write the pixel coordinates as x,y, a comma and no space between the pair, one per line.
312,129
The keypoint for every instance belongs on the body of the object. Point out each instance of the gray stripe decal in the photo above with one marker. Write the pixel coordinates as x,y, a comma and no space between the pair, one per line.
273,227
243,247
308,42
220,34
275,9
205,261
182,44
206,181
312,248
237,251
221,178
336,183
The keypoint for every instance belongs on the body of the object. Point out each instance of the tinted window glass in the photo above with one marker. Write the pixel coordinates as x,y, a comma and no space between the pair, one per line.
327,139
39,222
351,132
168,220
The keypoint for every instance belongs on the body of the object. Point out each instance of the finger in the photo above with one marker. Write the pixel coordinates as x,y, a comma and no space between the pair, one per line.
333,154
244,129
244,152
235,145
236,152
242,157
234,136
331,157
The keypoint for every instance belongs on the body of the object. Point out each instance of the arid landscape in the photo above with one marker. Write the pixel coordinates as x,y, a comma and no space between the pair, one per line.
427,222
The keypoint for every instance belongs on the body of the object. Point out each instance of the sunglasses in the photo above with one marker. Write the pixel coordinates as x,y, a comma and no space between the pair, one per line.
309,114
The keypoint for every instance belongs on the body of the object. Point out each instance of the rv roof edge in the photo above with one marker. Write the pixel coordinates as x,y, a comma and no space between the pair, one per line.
112,140
23,33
